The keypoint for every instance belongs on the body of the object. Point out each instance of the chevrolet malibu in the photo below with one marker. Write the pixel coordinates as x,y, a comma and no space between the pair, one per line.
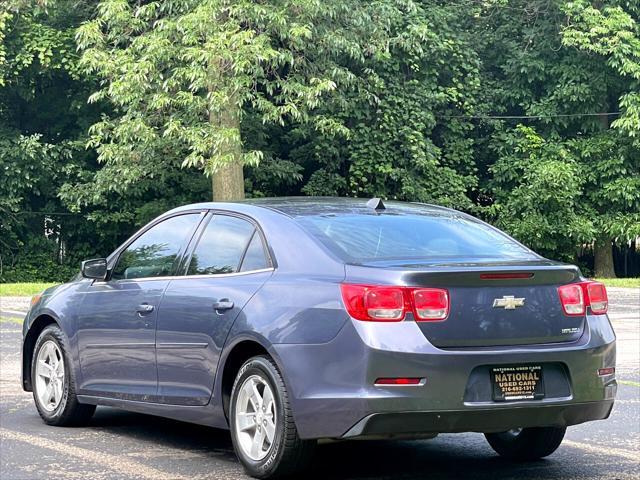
297,319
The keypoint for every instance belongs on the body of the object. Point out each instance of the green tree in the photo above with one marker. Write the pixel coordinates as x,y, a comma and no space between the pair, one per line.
612,161
181,74
405,141
566,179
43,117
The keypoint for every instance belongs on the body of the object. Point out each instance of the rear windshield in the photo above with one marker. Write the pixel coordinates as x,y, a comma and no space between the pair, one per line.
390,236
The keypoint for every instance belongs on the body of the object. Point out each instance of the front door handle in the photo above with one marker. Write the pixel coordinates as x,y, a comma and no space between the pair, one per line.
144,309
223,304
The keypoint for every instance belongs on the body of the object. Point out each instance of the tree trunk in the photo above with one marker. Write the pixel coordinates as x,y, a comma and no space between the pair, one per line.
228,183
228,180
603,263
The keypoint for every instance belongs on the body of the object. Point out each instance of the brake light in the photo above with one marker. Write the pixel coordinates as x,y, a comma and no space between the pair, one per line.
391,304
505,276
576,297
597,295
384,303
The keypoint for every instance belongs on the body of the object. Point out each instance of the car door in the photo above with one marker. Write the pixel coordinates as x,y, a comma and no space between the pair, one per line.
228,264
117,317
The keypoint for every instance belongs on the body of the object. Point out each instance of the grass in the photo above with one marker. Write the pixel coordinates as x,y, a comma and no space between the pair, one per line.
629,382
17,321
22,289
620,282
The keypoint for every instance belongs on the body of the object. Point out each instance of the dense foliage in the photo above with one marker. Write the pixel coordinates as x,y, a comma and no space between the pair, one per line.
523,112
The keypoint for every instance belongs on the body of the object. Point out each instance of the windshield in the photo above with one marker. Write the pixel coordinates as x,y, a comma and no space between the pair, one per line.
400,236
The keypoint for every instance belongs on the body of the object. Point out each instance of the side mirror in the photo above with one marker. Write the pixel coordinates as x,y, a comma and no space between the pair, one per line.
95,268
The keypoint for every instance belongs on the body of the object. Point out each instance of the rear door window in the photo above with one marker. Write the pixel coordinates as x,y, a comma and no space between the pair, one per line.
254,257
221,247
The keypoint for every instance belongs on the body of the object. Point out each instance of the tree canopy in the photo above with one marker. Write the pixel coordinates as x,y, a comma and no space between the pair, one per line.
523,112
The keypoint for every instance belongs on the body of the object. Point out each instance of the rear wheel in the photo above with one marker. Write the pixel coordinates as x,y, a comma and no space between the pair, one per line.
264,434
54,389
525,444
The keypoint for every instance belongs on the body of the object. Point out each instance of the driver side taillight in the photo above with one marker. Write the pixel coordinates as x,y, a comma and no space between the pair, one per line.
391,304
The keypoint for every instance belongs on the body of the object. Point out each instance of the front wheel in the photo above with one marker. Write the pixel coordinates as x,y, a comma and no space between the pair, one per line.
264,434
525,444
53,382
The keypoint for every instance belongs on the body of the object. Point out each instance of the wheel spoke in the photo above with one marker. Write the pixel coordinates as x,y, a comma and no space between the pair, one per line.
57,392
267,398
245,421
50,353
257,398
43,369
48,393
256,445
269,430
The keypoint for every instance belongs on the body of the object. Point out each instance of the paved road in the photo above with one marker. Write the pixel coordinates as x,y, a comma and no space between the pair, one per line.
126,445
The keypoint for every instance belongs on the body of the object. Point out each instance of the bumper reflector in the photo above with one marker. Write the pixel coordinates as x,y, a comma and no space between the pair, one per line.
400,381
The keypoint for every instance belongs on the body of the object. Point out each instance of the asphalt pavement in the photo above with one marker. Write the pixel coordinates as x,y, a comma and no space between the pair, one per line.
125,445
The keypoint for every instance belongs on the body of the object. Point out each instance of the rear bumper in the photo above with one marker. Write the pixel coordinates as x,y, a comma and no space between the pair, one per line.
333,395
480,420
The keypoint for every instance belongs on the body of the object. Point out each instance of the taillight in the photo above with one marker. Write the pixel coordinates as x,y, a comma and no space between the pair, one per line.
391,304
597,295
430,304
576,297
384,303
572,299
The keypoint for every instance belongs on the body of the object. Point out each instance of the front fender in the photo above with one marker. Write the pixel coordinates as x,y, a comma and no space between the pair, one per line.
53,307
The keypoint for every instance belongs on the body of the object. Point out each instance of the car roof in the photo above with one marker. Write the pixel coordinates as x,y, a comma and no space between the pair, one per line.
311,206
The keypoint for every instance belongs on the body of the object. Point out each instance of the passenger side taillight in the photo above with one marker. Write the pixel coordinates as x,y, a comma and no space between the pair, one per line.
391,304
597,295
576,297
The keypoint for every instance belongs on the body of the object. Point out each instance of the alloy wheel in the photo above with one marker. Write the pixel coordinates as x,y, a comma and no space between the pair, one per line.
49,376
255,418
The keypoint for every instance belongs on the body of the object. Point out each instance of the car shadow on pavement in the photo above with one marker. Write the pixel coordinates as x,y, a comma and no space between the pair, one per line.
448,456
164,432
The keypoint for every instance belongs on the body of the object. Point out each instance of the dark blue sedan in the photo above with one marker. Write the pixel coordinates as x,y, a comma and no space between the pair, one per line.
296,319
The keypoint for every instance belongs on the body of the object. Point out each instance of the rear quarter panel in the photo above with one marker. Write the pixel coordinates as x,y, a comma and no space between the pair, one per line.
301,302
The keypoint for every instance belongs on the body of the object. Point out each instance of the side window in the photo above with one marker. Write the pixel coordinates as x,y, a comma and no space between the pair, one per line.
254,258
221,246
154,253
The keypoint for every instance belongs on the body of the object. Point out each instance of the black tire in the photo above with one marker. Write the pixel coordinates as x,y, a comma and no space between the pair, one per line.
287,454
528,444
69,412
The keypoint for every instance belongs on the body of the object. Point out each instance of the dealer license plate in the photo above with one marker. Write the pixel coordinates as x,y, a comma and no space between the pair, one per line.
517,382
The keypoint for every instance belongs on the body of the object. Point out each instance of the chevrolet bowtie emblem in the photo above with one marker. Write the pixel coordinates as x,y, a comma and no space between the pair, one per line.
508,302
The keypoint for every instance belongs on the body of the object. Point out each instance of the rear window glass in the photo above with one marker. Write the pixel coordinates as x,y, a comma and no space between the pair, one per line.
391,236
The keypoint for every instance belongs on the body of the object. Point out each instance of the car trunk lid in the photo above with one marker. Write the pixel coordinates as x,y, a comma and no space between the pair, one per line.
491,303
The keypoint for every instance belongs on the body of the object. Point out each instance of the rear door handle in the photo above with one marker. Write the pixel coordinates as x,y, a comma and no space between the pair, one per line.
144,309
223,304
